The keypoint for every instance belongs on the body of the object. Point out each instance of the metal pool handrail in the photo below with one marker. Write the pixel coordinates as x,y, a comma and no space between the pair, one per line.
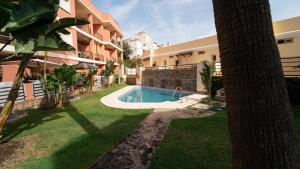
175,92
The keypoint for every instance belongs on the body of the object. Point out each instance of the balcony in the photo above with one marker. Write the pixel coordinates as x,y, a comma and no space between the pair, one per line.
114,60
99,36
99,57
85,28
86,54
113,42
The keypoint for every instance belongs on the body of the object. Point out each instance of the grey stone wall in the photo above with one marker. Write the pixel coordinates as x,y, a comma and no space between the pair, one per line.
170,79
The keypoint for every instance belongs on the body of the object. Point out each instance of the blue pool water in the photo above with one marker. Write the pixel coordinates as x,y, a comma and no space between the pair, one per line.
149,95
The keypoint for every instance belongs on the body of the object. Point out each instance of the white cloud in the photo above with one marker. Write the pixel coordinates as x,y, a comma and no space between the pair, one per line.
175,23
121,11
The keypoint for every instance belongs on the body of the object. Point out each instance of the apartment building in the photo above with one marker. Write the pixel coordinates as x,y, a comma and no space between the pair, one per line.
139,43
287,33
95,43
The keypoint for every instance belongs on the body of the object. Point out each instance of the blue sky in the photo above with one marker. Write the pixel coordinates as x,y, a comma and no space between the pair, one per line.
177,20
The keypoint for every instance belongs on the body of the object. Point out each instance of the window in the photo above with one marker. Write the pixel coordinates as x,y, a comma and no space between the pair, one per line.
201,52
214,58
177,62
165,62
284,41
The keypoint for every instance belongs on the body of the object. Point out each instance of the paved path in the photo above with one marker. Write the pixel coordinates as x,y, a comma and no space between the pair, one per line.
137,150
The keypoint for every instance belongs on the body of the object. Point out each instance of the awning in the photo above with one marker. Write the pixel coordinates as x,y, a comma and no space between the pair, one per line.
34,63
49,63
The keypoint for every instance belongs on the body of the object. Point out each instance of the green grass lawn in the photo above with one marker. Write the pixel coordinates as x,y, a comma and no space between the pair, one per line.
72,137
198,143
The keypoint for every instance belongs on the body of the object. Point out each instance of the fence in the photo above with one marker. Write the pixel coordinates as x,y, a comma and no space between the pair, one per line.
289,65
4,37
27,92
4,90
130,71
38,92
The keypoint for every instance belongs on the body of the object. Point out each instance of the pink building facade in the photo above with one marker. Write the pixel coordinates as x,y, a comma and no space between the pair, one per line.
95,43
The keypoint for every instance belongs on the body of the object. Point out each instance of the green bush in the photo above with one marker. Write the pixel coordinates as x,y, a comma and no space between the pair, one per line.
217,84
116,79
293,86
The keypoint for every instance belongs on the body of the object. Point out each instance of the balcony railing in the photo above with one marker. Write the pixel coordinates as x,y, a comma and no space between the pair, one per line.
5,38
98,35
85,28
85,54
99,57
113,42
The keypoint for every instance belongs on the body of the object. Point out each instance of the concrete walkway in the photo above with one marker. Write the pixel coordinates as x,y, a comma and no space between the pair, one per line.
137,150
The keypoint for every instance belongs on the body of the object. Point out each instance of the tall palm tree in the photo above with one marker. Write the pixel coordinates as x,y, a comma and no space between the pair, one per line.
261,123
32,23
60,79
108,71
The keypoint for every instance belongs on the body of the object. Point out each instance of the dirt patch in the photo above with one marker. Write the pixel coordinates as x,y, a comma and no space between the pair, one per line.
138,149
16,151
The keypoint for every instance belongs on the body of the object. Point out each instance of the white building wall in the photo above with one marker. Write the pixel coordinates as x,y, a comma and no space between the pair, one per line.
140,42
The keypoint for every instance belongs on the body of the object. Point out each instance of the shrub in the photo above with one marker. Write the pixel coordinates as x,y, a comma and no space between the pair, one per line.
293,86
217,83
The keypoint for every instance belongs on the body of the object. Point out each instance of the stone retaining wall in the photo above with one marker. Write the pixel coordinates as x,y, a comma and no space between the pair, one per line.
131,79
170,79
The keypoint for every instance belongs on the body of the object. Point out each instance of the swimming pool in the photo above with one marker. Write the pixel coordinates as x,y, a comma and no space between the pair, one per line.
150,95
152,98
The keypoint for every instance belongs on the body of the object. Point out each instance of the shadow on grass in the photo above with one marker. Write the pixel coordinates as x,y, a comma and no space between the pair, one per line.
32,120
84,151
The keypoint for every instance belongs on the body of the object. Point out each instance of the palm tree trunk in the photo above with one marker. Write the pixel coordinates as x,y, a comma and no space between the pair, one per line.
45,79
13,93
107,81
262,129
209,88
60,96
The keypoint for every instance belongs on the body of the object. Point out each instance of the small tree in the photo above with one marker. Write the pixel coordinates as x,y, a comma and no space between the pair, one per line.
206,78
82,83
32,24
109,71
127,51
59,80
